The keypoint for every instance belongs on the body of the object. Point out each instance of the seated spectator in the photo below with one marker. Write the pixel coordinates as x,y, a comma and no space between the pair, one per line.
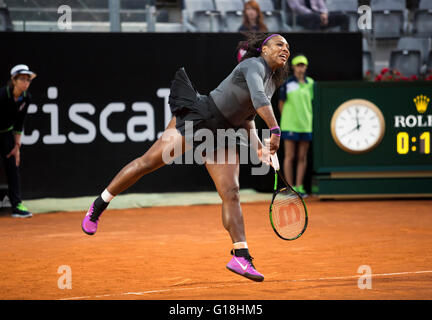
314,15
253,20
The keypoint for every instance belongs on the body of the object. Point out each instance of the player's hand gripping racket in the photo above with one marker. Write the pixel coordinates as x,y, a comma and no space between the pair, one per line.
288,212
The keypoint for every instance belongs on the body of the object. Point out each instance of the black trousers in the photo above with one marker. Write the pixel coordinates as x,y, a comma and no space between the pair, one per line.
7,143
313,21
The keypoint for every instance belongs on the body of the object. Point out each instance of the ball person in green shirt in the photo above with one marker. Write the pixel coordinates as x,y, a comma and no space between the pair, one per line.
295,106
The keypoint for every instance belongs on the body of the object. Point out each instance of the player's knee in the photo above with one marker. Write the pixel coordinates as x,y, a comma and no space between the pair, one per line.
231,194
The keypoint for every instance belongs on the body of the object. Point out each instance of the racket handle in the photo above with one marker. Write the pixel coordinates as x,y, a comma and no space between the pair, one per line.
275,161
265,156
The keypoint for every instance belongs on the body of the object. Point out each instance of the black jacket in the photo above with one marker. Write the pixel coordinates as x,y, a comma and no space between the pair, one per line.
13,113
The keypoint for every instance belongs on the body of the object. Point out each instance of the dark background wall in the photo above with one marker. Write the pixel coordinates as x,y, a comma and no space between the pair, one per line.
101,68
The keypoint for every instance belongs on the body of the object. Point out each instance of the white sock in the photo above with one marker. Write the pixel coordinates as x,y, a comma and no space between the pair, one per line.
240,245
106,196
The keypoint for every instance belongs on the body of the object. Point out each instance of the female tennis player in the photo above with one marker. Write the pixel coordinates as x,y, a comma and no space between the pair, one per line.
233,104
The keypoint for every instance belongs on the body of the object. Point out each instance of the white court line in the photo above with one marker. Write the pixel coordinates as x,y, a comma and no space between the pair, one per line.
358,276
239,284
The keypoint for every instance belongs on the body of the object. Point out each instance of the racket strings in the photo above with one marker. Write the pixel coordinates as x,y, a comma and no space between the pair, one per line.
288,215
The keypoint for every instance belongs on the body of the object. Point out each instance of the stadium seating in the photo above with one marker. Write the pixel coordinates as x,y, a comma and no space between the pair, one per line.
90,16
132,4
232,11
421,44
425,5
368,64
388,4
5,20
422,21
429,62
272,18
348,7
95,10
388,18
290,17
408,62
203,15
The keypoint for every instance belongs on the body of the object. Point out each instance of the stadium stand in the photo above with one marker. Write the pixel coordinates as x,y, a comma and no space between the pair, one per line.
408,62
289,17
429,65
92,16
429,62
388,18
398,25
5,20
422,21
347,7
232,12
203,16
413,43
368,65
273,18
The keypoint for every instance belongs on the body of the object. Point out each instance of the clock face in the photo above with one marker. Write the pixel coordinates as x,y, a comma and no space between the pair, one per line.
357,126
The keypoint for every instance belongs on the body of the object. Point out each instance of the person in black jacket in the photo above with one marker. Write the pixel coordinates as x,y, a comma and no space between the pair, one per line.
14,102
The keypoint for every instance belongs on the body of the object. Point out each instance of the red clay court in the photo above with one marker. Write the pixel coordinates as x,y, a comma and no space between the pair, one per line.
181,252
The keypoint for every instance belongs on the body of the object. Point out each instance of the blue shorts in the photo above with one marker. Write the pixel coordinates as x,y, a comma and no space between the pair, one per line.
296,136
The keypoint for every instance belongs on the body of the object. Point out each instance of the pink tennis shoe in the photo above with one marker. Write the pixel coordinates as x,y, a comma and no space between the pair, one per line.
90,222
244,267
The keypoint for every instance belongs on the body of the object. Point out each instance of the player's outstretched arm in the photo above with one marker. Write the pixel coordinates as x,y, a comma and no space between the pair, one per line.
266,113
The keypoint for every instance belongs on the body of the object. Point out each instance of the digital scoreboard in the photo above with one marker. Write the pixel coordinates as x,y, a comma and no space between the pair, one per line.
373,139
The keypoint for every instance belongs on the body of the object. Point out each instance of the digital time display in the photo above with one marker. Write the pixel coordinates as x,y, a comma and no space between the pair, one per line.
406,143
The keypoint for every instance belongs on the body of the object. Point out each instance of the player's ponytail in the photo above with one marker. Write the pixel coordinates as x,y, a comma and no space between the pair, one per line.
252,45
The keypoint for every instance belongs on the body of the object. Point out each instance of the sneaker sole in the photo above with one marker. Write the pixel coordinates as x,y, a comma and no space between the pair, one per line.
86,232
248,276
21,216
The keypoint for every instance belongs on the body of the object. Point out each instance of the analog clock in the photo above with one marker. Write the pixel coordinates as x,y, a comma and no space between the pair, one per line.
357,126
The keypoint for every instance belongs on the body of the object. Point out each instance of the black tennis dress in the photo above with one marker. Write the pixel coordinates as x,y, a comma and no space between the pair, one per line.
229,106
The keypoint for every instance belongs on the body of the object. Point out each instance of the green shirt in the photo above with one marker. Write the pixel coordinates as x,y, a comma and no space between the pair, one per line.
297,105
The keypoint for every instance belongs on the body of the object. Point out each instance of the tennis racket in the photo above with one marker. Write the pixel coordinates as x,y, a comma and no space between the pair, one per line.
288,212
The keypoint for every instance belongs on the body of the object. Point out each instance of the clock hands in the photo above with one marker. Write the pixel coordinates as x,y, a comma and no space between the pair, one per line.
357,119
357,127
351,131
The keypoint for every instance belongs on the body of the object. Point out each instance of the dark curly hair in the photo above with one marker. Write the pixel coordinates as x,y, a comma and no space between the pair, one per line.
252,45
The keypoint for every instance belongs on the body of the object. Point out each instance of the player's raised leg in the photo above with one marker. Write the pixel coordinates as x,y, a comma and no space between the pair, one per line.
152,159
226,179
